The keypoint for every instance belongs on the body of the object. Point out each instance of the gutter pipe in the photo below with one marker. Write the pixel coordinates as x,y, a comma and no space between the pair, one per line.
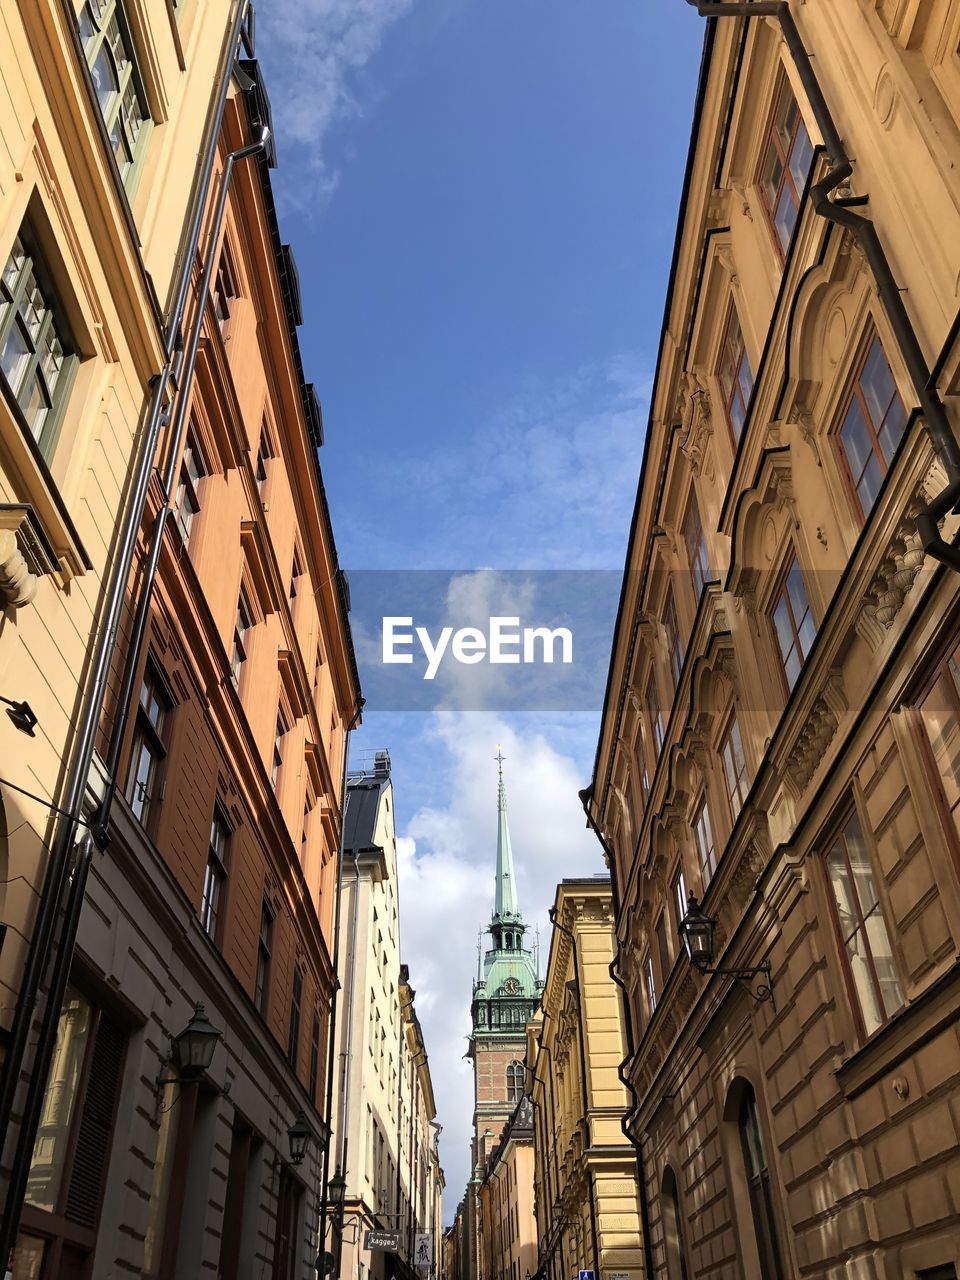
840,211
63,848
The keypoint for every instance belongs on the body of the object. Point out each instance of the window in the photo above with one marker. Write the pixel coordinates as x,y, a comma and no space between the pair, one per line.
696,546
674,643
734,767
650,982
706,848
149,747
281,733
241,627
680,895
296,572
187,502
758,1183
293,1035
71,1153
261,990
314,1081
514,1082
793,623
867,953
653,711
663,949
940,715
872,427
304,830
109,50
735,374
673,1227
215,877
785,165
36,351
224,289
264,454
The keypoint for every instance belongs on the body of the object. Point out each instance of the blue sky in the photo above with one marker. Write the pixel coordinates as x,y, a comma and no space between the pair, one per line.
482,200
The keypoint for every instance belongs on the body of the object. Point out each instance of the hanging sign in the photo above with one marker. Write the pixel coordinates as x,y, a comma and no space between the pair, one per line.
382,1241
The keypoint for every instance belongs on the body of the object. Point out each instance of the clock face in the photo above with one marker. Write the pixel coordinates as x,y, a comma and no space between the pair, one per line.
512,986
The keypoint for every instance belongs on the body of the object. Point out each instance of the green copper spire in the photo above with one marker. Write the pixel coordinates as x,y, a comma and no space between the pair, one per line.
506,907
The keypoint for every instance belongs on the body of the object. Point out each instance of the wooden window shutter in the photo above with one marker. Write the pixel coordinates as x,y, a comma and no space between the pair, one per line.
96,1124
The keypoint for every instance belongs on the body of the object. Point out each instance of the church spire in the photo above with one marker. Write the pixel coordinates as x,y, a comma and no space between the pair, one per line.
506,907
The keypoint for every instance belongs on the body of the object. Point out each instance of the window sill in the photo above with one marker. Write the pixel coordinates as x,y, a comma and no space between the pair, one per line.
909,1028
31,483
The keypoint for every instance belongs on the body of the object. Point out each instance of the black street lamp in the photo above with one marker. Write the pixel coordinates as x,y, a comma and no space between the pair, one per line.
194,1047
336,1192
298,1136
698,931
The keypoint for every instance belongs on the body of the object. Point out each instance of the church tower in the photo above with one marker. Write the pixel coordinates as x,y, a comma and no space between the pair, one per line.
506,993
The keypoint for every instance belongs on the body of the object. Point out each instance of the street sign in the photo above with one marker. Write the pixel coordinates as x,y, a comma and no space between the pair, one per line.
382,1241
586,1275
423,1253
324,1263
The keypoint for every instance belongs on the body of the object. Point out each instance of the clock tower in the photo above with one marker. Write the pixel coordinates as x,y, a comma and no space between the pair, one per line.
506,994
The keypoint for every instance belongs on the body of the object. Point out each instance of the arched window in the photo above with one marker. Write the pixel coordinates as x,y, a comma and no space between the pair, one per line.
514,1081
758,1183
509,941
673,1226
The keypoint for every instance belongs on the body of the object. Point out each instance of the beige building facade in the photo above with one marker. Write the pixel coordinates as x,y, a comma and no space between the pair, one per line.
586,1187
783,707
507,1223
385,1139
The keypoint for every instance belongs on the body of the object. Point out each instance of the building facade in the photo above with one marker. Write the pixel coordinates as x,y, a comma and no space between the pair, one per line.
778,737
216,787
508,1226
385,1135
506,993
586,1187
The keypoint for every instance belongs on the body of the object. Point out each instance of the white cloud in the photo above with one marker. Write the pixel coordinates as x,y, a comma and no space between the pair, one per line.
315,48
447,858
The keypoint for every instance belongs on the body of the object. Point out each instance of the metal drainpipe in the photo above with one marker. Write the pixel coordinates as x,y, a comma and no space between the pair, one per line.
335,961
62,848
552,913
556,1158
585,798
840,210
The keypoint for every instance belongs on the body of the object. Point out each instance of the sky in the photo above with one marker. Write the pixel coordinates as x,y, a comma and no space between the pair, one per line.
482,199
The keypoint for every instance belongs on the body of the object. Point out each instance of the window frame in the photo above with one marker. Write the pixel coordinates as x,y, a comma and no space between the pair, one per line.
771,138
261,985
129,77
712,855
741,783
853,393
188,485
296,1009
276,771
12,294
835,836
215,875
781,592
763,1210
154,738
736,388
697,550
224,292
675,646
657,724
240,634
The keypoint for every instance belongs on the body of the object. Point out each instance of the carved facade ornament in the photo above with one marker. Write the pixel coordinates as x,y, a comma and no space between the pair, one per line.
900,565
18,585
697,421
807,426
744,879
816,733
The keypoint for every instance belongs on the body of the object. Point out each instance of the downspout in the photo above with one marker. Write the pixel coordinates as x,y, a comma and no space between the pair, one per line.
335,958
556,1158
585,798
552,913
63,851
840,211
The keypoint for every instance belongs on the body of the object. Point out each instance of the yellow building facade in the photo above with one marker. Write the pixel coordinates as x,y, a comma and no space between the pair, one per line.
587,1205
777,761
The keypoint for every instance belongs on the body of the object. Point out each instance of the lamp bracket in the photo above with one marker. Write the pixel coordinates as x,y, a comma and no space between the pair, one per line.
759,991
